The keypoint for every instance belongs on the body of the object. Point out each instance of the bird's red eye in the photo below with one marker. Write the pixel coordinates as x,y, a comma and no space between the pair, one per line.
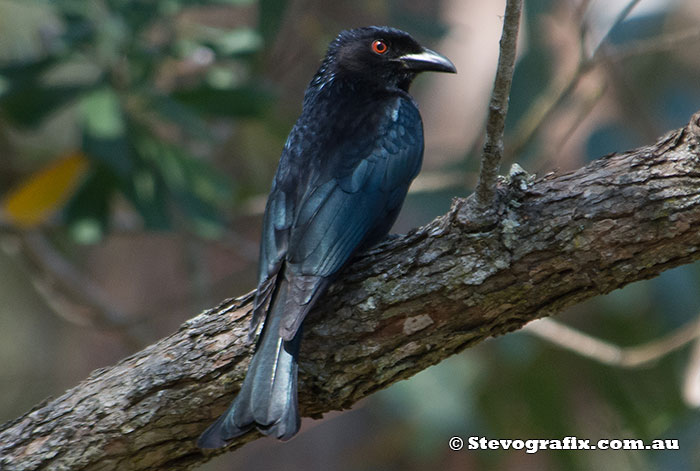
379,46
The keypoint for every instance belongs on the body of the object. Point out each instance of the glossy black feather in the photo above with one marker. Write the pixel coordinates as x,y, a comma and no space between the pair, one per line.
342,178
268,397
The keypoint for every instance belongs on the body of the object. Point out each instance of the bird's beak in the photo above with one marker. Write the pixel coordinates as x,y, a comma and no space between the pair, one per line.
427,60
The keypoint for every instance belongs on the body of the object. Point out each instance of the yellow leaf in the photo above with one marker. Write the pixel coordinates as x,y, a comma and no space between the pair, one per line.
45,191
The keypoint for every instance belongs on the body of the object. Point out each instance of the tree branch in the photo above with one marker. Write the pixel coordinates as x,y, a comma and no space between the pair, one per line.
398,309
498,106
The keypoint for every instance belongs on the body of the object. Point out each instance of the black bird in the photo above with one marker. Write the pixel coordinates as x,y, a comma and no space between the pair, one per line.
342,178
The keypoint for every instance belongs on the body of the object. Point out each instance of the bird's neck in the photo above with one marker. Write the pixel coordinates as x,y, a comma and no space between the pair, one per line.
336,92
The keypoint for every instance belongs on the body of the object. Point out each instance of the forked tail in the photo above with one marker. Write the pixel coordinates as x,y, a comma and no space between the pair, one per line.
268,398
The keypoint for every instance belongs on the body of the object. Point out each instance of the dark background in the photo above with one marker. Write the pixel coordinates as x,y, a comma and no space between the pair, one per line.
137,142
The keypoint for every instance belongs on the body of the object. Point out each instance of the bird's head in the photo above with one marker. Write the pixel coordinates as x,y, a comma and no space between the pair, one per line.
383,56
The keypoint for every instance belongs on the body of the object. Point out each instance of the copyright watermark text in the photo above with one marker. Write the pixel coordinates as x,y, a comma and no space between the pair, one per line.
567,443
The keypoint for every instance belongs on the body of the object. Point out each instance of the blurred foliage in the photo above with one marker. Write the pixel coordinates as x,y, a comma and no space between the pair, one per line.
113,61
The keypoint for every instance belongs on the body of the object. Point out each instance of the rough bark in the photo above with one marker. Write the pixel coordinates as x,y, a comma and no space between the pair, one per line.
398,309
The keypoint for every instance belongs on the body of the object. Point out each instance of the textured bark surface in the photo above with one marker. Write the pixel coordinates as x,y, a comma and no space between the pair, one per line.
404,306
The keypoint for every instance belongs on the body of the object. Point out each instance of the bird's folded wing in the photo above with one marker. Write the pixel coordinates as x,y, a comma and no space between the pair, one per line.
345,208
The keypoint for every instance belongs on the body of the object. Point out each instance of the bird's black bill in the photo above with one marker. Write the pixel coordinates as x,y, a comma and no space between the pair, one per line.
427,60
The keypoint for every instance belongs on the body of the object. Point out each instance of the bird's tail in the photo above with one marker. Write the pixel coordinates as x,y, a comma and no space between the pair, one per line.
268,397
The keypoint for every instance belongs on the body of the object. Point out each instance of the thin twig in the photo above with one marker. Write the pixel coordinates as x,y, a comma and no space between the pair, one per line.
604,352
498,107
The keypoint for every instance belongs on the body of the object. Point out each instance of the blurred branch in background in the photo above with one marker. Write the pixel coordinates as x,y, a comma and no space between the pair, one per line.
66,290
603,54
544,105
662,43
691,384
599,350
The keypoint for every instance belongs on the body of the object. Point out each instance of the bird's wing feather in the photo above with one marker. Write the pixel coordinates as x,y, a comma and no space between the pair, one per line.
277,222
352,204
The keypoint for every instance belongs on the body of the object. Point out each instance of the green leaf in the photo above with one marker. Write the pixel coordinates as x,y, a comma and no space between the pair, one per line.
204,182
104,130
23,71
242,102
102,114
113,152
28,105
236,42
179,114
197,190
87,213
147,193
204,218
271,14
